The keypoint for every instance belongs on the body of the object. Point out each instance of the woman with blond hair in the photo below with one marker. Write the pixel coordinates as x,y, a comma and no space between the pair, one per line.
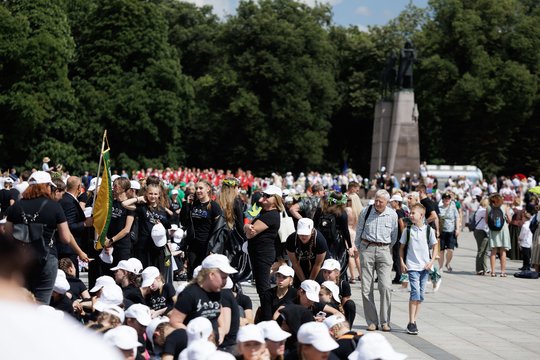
499,240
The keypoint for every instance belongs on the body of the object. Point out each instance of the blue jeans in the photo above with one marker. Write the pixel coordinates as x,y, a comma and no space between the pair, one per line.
418,280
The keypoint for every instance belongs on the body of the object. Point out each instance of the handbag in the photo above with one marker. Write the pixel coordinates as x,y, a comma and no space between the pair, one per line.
286,227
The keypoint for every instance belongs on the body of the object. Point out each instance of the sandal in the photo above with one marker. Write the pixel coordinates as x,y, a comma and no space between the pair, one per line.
493,275
351,281
503,274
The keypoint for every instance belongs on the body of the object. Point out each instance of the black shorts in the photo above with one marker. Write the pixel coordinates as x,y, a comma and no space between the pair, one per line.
448,240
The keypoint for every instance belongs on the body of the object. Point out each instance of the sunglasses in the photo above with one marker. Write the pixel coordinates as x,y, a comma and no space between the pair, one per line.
266,196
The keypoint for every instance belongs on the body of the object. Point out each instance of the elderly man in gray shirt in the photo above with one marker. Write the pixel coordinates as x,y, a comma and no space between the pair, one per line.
376,233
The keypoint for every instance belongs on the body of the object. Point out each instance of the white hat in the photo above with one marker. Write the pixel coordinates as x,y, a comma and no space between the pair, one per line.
218,261
61,285
174,227
199,350
149,275
375,346
304,226
178,235
123,337
333,320
196,271
111,294
136,265
271,331
8,180
273,190
199,328
151,328
330,285
93,182
159,235
114,177
141,313
229,285
396,197
101,282
250,332
312,289
286,270
316,334
125,265
105,256
40,177
174,192
331,264
135,185
116,311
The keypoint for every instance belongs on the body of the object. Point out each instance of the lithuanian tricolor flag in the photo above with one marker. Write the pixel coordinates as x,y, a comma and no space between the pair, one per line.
103,202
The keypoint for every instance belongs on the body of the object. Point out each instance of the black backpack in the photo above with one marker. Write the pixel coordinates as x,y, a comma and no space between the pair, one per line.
495,219
327,227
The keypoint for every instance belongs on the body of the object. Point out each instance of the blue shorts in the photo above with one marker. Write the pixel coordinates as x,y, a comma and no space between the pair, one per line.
417,281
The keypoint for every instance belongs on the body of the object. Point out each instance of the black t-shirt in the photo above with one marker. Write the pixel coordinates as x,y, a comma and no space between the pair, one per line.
244,301
401,215
307,253
118,222
195,302
430,206
202,217
157,300
228,300
133,294
270,302
147,218
347,344
175,343
267,237
51,215
76,287
344,289
5,196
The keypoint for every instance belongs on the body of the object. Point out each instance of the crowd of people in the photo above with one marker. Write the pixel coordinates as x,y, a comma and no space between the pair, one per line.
310,236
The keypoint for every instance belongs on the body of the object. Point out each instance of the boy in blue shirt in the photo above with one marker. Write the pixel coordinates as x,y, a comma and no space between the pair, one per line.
416,242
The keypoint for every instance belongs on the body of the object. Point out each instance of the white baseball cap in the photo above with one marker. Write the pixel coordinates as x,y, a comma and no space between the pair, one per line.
218,261
123,337
316,334
229,284
396,197
151,328
135,185
174,192
141,313
331,264
101,282
8,180
273,190
136,265
159,235
178,235
196,271
330,285
93,182
61,285
199,328
333,320
199,350
312,289
286,270
125,265
174,227
111,294
250,332
271,331
40,177
114,177
375,346
149,275
105,256
116,311
304,226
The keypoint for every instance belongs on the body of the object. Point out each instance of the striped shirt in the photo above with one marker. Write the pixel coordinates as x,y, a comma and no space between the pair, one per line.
380,228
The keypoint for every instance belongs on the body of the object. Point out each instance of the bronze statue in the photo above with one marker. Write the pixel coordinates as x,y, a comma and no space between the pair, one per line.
406,61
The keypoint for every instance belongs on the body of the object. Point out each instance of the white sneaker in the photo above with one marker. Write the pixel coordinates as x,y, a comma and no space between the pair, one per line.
437,285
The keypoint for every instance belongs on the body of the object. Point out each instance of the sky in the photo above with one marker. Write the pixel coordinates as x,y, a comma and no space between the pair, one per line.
346,12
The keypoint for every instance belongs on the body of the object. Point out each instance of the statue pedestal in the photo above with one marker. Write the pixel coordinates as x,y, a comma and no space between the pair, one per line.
395,141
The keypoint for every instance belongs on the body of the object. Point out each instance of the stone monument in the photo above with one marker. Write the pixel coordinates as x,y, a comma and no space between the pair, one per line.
395,142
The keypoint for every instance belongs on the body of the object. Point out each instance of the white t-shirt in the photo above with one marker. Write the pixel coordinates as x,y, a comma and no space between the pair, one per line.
525,235
418,250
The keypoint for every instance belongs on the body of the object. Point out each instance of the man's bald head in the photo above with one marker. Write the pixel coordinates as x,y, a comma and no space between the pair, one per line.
73,183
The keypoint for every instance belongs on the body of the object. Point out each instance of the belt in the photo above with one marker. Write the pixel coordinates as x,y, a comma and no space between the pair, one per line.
374,243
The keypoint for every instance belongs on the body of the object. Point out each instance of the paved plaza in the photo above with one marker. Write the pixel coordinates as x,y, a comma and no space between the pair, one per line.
470,317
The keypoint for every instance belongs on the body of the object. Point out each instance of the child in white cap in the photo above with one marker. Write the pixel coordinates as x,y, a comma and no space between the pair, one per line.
314,341
278,296
331,272
251,343
275,338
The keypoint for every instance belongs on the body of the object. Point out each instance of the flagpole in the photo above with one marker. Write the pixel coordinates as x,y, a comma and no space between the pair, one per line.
99,167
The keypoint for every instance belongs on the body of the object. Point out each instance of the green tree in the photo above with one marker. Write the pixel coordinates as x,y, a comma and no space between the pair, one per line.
478,81
129,81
